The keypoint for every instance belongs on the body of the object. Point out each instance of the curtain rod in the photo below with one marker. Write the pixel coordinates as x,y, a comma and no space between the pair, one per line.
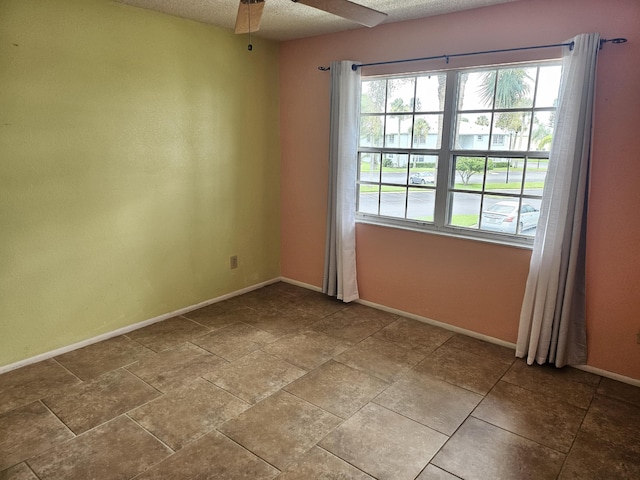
355,66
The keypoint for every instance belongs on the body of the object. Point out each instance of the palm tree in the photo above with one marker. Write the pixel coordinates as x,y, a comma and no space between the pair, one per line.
507,88
511,91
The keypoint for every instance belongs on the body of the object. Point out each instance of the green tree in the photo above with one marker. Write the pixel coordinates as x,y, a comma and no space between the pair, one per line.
508,88
420,131
511,91
482,120
466,167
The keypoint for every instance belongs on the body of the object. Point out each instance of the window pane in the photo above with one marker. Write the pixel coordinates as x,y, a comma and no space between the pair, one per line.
373,96
542,132
397,132
393,201
515,87
430,93
469,172
421,204
476,90
394,168
368,197
472,132
529,219
369,169
371,130
427,132
535,176
400,95
515,127
423,170
505,175
465,209
548,86
499,214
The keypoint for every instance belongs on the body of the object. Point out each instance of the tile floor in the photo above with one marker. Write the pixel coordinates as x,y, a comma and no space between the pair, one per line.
284,382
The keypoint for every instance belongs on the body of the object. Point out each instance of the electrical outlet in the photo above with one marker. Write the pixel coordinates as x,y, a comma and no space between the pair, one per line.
233,261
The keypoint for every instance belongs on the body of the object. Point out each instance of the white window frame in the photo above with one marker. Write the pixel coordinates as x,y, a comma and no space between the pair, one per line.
445,165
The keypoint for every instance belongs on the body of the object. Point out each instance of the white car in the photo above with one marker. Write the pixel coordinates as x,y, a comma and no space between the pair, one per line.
421,178
503,217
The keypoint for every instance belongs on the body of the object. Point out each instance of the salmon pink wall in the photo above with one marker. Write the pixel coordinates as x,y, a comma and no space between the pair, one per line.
469,284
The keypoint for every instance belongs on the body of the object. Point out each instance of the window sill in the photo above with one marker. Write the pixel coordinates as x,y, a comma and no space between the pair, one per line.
460,233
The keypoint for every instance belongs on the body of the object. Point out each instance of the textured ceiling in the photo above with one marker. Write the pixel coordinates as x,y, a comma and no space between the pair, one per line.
285,20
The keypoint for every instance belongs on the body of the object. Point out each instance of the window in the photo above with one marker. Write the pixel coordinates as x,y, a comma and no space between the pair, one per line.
459,152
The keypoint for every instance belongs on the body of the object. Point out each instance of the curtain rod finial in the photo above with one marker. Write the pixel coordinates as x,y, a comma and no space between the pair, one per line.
612,40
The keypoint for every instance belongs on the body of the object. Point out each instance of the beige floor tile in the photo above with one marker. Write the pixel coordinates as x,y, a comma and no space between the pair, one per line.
482,348
531,415
89,404
593,458
384,444
27,384
187,413
176,367
118,449
414,334
19,472
621,391
307,349
255,376
235,341
566,384
432,402
212,457
280,429
318,304
355,322
337,388
320,464
168,333
295,375
464,369
27,431
94,360
385,360
432,472
283,289
615,422
217,318
280,323
480,451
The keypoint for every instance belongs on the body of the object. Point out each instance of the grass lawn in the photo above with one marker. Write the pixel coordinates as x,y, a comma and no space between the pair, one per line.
464,220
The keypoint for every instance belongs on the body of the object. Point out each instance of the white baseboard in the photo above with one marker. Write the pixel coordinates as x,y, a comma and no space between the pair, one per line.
300,284
130,328
182,311
470,333
443,325
611,375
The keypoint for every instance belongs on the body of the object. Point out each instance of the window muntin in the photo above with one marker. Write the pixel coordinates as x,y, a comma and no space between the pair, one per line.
494,154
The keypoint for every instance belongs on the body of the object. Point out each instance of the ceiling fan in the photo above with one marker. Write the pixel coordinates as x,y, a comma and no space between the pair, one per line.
250,13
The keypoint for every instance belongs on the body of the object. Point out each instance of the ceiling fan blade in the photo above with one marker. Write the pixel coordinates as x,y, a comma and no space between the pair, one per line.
349,10
249,15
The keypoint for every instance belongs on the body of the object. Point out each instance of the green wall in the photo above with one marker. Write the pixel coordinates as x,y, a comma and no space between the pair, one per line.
138,151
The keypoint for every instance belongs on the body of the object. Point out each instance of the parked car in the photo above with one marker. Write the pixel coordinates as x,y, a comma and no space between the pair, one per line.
503,217
421,178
